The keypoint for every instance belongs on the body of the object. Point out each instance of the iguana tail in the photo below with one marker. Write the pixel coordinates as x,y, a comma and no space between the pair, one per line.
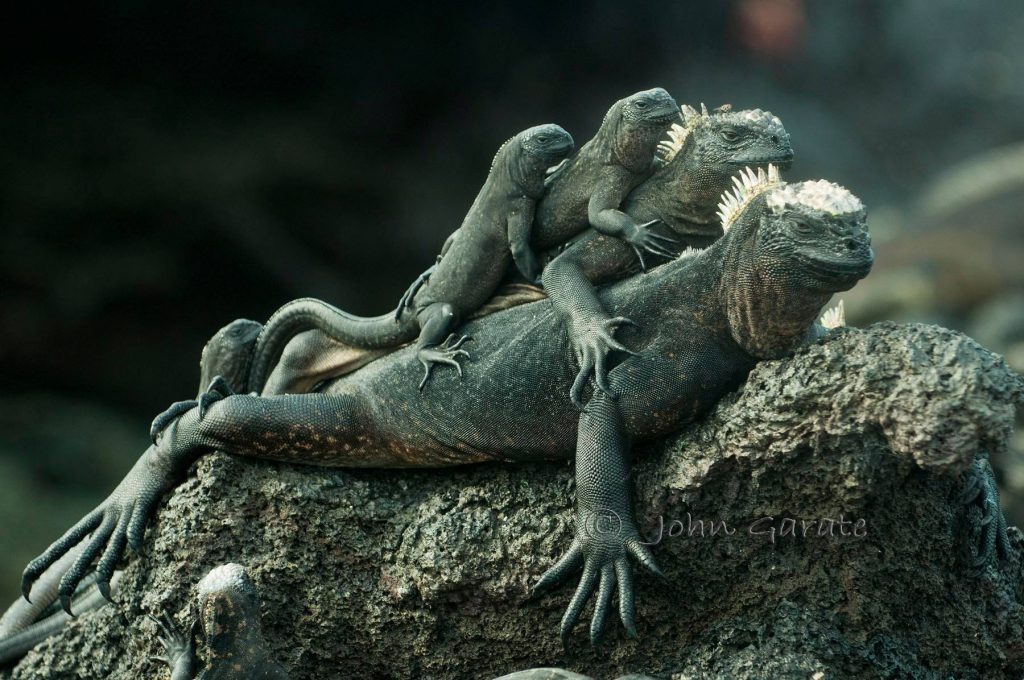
378,332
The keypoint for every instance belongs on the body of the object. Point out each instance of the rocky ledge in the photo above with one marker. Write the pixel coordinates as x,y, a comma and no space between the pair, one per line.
810,526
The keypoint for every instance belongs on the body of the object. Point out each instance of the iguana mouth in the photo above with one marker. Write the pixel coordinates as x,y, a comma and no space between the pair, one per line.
832,269
662,116
782,160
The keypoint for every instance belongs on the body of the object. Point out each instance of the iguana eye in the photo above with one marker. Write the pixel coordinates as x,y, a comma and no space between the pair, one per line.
641,104
803,227
728,135
542,139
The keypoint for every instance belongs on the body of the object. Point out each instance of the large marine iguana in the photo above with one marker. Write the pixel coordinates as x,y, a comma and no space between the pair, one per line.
707,319
695,166
494,234
229,620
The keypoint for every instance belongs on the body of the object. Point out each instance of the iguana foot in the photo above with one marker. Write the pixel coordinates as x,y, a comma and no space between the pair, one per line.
982,493
179,649
217,390
445,353
592,345
411,291
602,546
643,240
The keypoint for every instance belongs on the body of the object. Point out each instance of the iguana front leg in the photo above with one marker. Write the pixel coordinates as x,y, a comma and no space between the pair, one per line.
570,281
604,215
520,224
179,648
981,489
606,531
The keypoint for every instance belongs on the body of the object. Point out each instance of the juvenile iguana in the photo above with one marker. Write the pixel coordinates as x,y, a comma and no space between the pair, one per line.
697,164
494,234
229,620
589,188
706,320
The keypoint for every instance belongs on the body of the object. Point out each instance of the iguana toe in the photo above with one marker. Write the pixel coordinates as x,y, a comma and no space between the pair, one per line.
445,353
172,413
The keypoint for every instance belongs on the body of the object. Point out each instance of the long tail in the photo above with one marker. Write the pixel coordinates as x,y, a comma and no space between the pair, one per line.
378,332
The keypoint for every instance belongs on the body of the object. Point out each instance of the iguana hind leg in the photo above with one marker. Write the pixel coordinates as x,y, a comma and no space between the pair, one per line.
437,344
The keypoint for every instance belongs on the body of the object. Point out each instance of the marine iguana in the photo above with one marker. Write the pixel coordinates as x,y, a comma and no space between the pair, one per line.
707,319
229,619
698,164
589,188
695,167
494,234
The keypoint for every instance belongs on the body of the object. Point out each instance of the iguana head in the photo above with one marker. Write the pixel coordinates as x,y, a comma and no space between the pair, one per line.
787,248
547,144
634,125
524,159
698,162
229,609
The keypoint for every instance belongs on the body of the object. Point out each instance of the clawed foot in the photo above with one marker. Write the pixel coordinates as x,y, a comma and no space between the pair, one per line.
411,291
643,240
602,546
592,345
981,491
217,390
179,649
444,353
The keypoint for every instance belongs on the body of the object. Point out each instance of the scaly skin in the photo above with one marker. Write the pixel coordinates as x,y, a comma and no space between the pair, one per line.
706,321
589,188
494,234
706,152
229,618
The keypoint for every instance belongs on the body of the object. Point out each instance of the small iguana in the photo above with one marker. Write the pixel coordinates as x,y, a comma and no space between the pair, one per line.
589,188
707,319
494,234
698,164
229,620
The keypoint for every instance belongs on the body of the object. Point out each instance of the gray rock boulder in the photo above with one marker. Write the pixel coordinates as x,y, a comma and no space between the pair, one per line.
810,527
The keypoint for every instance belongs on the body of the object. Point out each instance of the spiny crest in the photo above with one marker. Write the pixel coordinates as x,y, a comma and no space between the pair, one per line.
494,161
678,134
820,195
690,251
834,317
749,184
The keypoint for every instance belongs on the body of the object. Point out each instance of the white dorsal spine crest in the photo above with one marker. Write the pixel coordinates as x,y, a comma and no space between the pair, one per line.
748,186
834,317
677,135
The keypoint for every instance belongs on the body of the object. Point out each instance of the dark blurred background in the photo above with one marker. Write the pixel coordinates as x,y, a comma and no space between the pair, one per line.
168,167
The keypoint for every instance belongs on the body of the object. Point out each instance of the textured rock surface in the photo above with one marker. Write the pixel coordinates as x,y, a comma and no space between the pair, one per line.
425,574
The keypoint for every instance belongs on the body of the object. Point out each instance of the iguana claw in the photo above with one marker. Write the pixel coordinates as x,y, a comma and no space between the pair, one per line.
606,570
217,390
644,240
444,353
980,490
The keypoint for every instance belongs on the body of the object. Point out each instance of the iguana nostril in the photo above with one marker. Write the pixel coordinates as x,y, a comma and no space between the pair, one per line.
851,244
775,139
